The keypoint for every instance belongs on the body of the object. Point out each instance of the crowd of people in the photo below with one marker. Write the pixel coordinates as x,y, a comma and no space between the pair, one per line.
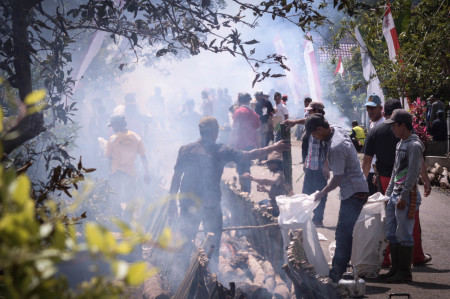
392,163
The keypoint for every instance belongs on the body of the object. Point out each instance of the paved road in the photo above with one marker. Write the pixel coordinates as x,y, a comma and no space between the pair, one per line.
431,281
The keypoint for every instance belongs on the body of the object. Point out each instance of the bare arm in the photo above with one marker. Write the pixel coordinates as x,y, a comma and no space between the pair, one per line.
333,184
266,182
425,179
261,152
367,161
176,181
292,122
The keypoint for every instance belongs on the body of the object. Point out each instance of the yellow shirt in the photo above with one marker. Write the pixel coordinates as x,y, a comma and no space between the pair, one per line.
360,135
122,149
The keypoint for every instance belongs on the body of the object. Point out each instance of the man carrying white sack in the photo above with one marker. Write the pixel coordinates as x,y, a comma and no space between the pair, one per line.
347,174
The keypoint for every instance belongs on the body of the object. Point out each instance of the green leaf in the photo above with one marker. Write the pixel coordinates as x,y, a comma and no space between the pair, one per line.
120,269
35,97
138,273
165,238
94,237
21,189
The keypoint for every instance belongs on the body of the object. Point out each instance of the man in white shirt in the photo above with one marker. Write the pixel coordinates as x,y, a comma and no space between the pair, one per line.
374,111
280,116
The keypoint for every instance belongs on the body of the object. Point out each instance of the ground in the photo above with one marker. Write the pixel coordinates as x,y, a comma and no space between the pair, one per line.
430,281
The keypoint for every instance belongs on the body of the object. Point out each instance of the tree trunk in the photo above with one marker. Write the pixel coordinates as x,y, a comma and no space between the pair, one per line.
31,125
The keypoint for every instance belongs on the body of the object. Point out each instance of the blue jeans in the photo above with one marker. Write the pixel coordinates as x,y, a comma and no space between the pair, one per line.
398,227
348,214
315,181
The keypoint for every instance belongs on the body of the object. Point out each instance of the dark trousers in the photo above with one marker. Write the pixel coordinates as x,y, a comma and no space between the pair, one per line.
315,181
190,217
242,167
348,214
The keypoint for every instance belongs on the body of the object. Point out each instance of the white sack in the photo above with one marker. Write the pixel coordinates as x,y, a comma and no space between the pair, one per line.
295,213
369,242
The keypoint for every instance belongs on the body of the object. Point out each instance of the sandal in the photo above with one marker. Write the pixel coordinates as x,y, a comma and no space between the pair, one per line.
428,259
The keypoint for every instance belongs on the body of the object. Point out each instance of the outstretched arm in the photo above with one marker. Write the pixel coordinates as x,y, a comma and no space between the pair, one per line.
261,152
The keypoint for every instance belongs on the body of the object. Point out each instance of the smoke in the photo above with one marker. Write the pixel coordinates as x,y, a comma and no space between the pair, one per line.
162,94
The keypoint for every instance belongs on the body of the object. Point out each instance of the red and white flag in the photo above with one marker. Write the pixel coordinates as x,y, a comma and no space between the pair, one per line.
390,34
313,73
340,67
369,72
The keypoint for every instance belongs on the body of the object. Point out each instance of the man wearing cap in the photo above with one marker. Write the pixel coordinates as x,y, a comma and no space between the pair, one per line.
264,109
404,199
196,182
122,150
344,163
245,135
382,142
374,112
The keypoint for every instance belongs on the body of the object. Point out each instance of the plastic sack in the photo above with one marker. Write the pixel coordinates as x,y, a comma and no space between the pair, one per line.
295,213
369,241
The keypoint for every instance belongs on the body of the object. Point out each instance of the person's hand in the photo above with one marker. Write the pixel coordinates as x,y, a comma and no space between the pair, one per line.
401,204
261,188
147,179
289,123
326,172
246,175
281,146
426,188
319,196
375,180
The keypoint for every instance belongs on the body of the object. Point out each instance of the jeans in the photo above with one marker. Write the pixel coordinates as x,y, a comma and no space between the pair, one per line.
398,228
314,181
348,214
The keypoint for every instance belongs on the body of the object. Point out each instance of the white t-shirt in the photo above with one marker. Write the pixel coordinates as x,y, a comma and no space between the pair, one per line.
281,110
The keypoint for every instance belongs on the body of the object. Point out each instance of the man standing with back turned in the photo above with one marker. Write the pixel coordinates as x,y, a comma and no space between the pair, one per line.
344,163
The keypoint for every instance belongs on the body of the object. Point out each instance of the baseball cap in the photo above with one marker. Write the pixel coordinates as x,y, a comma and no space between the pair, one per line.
373,100
117,120
314,121
400,116
260,93
315,105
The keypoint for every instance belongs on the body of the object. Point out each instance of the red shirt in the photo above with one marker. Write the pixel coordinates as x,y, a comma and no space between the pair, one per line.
245,124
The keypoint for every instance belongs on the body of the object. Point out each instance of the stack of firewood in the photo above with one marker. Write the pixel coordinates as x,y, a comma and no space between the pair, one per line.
254,275
307,283
439,176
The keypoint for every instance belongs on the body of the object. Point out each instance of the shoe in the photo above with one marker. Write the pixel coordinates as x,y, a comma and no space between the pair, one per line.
403,274
318,223
428,259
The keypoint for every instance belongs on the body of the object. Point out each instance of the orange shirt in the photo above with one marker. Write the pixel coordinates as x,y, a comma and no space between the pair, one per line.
122,149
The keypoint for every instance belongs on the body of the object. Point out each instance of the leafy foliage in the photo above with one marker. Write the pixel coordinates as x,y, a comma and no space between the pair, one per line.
422,67
419,111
